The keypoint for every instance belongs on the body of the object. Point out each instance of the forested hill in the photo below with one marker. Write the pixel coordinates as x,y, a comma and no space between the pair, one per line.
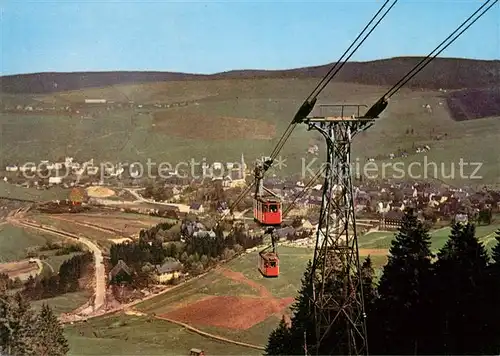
446,73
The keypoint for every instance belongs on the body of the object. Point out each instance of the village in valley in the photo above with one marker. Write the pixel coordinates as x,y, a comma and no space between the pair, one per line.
192,206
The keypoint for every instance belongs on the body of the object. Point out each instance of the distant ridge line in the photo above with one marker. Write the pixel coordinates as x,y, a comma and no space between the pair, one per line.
446,73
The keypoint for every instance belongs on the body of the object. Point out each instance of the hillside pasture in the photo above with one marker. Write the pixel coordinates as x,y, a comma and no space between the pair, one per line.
12,191
124,225
64,303
100,237
235,300
134,134
215,128
119,334
15,242
485,234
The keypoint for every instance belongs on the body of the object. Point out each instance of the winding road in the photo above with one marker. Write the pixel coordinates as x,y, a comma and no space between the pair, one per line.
100,276
183,208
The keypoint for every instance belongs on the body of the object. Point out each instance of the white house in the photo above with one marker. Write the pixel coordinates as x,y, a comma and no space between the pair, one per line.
27,168
55,180
95,101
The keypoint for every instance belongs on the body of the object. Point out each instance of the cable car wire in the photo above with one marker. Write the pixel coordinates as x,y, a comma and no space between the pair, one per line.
309,103
381,104
339,65
431,56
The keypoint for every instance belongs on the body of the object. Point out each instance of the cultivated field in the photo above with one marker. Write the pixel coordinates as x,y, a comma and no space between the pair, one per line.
21,269
136,135
216,128
235,301
138,335
103,228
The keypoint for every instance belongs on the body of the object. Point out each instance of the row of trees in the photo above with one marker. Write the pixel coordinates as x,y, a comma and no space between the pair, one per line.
197,251
66,281
157,192
423,304
26,333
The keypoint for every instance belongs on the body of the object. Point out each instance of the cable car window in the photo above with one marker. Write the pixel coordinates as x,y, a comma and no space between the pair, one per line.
273,264
273,208
264,208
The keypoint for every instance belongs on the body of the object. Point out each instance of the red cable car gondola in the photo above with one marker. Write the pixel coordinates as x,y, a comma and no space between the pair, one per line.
266,204
267,212
269,264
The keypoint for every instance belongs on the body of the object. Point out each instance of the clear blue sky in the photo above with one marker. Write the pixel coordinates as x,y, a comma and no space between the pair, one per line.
207,37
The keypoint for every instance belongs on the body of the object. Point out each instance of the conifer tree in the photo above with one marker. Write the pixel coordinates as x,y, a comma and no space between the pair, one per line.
302,320
367,276
493,303
304,327
50,340
16,326
6,328
279,340
398,321
23,326
25,334
461,294
495,252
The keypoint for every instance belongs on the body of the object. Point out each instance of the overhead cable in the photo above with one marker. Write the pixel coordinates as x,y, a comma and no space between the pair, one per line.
381,104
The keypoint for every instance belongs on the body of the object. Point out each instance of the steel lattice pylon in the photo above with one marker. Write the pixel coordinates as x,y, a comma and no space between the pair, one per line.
337,296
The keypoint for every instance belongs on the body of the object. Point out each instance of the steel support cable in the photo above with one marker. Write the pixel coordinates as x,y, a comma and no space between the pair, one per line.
359,44
346,51
308,105
433,55
381,104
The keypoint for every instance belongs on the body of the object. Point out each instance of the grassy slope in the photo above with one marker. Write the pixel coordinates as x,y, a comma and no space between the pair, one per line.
11,191
131,335
292,262
64,303
123,136
14,241
100,237
13,244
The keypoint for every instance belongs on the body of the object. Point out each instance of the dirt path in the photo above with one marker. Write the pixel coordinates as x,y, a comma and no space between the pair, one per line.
92,226
212,336
100,277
